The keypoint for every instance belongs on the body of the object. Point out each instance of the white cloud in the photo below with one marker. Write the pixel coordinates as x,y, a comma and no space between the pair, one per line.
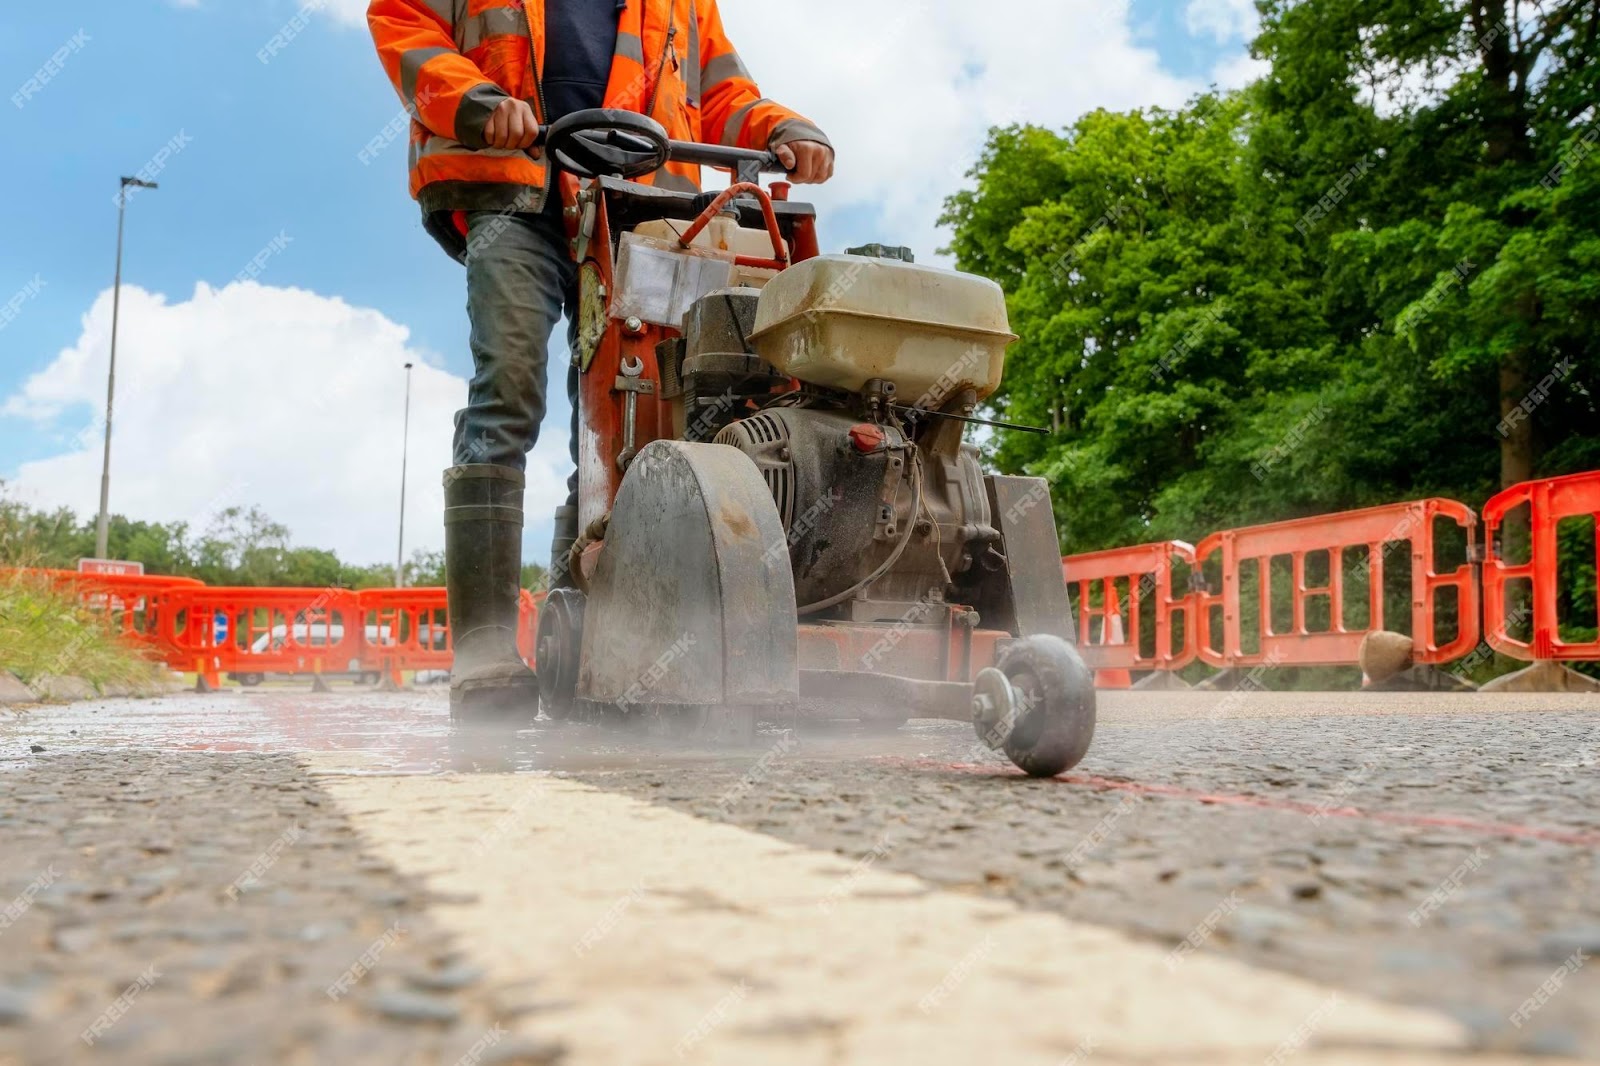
292,400
252,395
1239,70
907,91
1223,20
349,12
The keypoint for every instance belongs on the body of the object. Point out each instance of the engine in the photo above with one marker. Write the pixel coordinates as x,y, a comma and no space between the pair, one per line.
884,504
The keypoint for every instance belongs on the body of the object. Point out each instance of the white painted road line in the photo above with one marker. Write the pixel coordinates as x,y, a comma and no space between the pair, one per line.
657,937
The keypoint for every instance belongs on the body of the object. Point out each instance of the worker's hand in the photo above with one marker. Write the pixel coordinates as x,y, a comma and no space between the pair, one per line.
512,125
808,162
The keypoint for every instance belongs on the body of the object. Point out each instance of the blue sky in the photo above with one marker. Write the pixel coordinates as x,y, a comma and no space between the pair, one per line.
273,149
264,160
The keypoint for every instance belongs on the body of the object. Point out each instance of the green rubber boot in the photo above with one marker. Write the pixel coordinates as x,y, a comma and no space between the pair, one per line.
489,682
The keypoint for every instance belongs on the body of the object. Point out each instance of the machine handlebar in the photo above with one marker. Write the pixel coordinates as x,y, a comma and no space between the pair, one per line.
625,144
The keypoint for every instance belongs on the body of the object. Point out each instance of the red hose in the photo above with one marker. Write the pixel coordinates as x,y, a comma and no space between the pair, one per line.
780,260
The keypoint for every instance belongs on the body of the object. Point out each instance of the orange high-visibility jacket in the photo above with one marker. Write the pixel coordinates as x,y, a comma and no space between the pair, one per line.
455,61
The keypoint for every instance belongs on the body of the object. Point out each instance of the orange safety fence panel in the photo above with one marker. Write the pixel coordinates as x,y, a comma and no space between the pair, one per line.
264,630
1331,535
1147,571
415,627
411,627
1549,501
194,627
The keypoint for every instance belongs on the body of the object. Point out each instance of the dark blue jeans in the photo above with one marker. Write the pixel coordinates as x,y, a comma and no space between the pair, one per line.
520,276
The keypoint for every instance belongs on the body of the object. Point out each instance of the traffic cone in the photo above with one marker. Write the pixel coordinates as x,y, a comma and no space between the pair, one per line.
1118,678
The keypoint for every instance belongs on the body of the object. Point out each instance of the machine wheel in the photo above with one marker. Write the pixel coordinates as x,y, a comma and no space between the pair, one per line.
1038,704
370,678
559,645
250,680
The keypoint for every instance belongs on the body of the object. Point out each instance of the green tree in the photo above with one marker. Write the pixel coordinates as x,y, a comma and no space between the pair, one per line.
1325,291
240,547
1476,249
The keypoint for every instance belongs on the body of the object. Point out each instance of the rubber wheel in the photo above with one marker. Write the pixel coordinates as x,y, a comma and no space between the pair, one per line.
559,645
1053,732
249,680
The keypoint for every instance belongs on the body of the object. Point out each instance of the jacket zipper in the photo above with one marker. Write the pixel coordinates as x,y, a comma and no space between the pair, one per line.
533,64
540,108
668,51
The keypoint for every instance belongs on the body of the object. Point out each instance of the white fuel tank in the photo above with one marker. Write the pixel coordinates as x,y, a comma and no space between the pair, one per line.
841,320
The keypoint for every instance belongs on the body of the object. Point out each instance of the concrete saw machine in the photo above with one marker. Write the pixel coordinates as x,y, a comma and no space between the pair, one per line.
782,518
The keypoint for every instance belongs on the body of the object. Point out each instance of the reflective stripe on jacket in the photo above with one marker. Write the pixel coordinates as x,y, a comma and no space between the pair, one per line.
455,61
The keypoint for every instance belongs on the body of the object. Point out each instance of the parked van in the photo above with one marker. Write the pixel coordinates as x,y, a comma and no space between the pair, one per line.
310,636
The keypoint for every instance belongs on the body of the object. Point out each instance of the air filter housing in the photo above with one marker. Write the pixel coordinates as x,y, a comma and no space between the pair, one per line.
840,321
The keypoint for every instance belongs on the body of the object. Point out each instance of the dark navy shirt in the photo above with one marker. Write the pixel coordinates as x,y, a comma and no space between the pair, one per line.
580,38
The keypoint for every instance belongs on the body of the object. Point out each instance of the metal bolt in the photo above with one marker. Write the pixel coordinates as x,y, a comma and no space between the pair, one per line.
633,324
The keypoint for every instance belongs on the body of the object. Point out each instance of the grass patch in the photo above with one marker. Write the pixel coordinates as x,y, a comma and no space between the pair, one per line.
44,631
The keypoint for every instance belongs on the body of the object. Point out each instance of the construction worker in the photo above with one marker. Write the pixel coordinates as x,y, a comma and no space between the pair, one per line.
478,88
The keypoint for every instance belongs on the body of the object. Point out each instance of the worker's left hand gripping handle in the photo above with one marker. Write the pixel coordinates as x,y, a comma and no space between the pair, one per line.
439,87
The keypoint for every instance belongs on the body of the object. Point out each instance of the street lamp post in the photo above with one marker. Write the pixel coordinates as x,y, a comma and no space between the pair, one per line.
405,441
102,524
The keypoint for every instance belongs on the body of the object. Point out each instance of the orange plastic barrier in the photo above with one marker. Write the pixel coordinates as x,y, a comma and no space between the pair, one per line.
416,626
414,630
1147,569
1549,501
1332,534
252,632
259,631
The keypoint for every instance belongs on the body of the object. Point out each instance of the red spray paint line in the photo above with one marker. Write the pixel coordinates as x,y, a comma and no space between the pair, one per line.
1574,837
